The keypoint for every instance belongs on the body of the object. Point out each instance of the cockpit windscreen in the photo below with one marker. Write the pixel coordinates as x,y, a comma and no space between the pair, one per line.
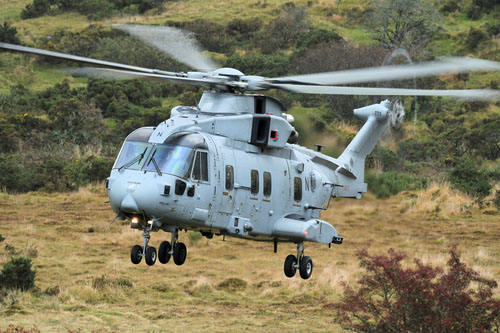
133,155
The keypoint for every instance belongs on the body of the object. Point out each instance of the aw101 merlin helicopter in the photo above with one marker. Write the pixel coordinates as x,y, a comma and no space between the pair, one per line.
230,165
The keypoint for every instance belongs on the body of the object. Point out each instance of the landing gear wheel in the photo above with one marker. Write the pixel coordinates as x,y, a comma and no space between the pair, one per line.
180,253
136,254
150,256
306,267
164,252
290,266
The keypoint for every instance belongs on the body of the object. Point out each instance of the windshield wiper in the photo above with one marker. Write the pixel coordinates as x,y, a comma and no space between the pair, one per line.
136,159
152,159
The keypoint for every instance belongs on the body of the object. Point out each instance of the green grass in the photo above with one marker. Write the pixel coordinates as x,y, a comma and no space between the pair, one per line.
19,69
11,10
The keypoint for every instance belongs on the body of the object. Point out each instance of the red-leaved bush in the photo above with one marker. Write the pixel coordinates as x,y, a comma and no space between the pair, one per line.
391,298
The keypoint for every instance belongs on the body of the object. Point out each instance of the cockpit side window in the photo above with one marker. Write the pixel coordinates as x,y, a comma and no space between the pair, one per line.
200,166
173,160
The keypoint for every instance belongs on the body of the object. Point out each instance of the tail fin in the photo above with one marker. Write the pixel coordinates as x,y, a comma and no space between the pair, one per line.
353,157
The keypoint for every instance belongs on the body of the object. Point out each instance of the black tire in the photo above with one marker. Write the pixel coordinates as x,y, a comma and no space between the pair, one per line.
151,256
306,267
163,252
180,253
289,267
136,254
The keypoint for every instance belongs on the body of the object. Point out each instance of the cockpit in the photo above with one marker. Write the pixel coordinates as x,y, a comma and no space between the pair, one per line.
182,154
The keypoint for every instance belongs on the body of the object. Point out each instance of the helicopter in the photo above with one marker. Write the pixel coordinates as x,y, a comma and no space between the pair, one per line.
230,165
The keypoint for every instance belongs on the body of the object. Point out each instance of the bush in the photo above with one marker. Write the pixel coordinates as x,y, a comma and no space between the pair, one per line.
8,34
36,9
391,298
420,151
467,177
18,274
496,200
475,37
391,183
284,31
315,37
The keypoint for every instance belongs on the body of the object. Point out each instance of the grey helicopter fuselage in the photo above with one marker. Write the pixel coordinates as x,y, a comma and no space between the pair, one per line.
227,166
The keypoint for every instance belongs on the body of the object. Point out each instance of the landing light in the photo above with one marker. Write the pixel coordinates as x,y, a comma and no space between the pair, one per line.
135,220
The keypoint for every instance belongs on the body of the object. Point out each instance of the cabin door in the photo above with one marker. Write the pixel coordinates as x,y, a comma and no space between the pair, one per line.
228,174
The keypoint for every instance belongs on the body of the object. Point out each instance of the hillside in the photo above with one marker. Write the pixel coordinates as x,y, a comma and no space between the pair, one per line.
50,120
432,184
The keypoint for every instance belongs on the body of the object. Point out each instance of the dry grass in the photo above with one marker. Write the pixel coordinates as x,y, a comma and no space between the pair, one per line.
87,282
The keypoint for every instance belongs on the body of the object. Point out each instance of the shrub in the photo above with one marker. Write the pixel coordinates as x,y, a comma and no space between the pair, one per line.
467,177
475,37
8,34
391,183
18,274
473,12
314,37
194,237
233,284
419,151
36,9
286,28
496,200
391,298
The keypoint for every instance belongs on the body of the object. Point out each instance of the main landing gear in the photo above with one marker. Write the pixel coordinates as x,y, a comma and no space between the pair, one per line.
303,263
178,251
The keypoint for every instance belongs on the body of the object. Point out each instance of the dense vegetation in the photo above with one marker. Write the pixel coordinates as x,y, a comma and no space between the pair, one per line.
421,299
63,136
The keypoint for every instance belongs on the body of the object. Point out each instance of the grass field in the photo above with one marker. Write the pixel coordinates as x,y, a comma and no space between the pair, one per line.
87,282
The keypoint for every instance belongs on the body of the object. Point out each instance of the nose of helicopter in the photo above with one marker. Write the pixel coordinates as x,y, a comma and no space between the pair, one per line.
129,205
131,194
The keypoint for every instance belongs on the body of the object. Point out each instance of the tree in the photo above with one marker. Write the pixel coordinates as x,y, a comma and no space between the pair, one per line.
408,24
391,298
285,29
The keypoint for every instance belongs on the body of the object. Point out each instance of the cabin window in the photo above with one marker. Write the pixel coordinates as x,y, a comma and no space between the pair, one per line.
229,177
200,167
297,189
254,182
267,184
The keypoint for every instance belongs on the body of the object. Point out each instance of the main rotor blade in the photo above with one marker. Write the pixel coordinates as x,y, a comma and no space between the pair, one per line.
388,73
19,48
115,74
472,94
177,43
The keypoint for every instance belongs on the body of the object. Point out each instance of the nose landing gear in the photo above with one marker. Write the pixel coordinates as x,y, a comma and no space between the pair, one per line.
304,264
166,250
148,252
